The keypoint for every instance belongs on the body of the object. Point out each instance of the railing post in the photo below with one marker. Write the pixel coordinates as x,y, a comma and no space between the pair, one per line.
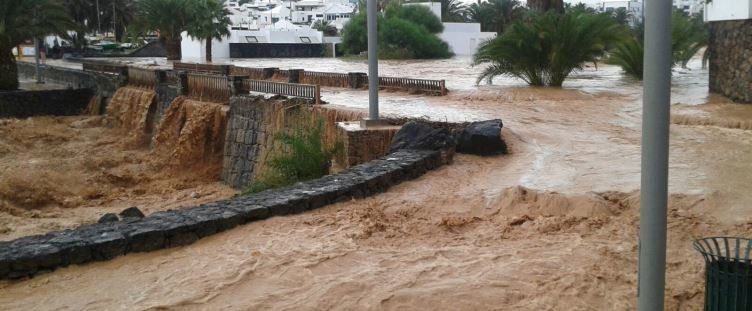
317,94
443,87
236,84
123,73
183,85
269,73
356,79
294,75
160,76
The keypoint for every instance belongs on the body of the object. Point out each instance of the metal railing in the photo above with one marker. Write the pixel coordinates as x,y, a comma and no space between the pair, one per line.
437,87
142,77
251,73
105,68
325,78
209,87
202,68
287,89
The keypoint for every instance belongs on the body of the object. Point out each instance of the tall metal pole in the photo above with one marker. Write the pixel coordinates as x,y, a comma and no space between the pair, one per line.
373,62
655,142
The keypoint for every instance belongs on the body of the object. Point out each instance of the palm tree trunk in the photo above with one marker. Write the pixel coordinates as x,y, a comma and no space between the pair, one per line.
8,70
172,45
209,50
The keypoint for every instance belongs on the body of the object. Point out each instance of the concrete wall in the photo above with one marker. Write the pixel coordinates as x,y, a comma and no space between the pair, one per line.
730,62
273,50
24,104
101,84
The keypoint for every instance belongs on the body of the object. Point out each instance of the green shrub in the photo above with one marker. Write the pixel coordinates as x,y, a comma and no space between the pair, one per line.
300,156
629,56
544,48
406,32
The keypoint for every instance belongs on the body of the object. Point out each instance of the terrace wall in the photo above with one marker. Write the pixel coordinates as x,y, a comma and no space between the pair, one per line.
24,104
730,61
102,84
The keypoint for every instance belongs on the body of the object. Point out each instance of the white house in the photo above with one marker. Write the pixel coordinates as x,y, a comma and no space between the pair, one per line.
462,38
726,10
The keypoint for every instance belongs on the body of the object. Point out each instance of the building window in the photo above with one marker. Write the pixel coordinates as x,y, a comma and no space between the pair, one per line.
305,39
251,39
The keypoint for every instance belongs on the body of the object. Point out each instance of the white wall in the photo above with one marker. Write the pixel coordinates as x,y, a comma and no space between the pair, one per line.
465,43
196,49
461,27
723,10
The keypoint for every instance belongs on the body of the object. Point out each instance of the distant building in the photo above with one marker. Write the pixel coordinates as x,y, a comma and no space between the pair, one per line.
462,38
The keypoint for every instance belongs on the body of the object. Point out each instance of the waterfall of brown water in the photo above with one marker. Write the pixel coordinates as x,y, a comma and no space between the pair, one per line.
132,110
191,135
331,117
94,108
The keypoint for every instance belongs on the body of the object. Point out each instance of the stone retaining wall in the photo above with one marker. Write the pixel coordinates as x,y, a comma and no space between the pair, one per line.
31,255
24,104
730,63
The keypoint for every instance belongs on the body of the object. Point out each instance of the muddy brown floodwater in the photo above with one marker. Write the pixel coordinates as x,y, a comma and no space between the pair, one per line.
552,226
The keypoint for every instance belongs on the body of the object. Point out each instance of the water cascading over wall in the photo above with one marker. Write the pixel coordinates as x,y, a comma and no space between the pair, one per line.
191,136
133,111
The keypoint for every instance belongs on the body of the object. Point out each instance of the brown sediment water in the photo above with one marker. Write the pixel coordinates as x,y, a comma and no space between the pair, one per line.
132,110
94,108
191,136
61,172
553,225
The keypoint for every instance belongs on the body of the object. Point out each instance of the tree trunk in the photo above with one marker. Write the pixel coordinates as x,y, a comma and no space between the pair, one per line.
8,69
209,50
172,45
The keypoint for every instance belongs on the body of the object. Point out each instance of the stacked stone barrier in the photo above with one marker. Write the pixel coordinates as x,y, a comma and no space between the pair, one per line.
28,256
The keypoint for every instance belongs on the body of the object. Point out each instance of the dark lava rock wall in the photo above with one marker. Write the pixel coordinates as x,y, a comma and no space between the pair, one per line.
31,255
24,104
730,61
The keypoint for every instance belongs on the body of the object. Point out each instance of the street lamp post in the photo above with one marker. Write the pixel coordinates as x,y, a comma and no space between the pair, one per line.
373,62
655,147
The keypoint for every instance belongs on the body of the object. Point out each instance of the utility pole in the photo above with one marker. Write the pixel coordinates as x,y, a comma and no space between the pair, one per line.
114,19
656,99
37,47
373,62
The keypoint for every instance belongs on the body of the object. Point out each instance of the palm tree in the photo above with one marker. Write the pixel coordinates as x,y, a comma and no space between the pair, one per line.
452,11
84,14
212,21
122,13
167,17
494,15
544,48
325,26
21,20
629,56
546,5
621,16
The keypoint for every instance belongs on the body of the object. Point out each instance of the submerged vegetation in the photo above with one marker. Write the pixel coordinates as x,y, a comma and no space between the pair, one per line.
299,155
405,32
544,48
688,36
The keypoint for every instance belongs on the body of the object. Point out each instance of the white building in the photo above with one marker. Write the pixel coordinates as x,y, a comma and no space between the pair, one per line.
727,10
462,38
691,7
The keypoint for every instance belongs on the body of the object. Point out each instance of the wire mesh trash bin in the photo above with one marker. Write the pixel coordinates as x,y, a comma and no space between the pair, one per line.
728,272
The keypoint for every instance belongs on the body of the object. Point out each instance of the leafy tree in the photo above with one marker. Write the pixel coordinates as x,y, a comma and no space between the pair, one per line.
404,32
21,20
211,21
84,14
116,16
168,17
544,48
325,26
495,15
